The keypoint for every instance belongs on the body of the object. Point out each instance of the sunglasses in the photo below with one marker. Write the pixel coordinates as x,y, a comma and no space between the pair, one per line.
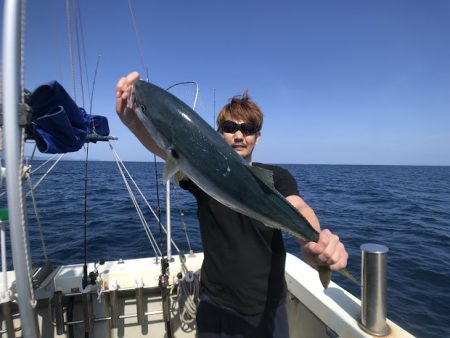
247,128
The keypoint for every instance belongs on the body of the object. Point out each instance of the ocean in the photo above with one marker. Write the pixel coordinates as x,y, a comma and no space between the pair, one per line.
406,208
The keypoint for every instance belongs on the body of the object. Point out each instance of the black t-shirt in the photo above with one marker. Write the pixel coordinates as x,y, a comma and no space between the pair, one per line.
244,260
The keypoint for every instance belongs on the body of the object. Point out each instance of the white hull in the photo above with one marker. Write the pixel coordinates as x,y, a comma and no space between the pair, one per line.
312,311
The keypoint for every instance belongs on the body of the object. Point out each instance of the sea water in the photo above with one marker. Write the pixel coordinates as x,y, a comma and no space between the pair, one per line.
406,208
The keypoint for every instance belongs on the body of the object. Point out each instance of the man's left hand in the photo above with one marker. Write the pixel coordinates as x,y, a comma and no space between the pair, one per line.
328,250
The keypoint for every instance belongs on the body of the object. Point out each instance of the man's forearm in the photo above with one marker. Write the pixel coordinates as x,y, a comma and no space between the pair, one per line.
147,141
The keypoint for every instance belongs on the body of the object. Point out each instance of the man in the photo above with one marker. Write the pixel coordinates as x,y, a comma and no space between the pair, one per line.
243,287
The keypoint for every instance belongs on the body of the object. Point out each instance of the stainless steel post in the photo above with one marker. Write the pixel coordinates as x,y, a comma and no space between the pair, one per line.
373,289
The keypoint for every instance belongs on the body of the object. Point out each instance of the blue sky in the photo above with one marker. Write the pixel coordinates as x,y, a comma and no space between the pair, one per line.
340,82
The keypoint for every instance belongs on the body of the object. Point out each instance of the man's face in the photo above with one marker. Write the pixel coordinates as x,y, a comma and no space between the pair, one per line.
242,142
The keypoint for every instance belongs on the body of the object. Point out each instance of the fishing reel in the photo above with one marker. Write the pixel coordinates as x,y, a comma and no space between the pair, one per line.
91,279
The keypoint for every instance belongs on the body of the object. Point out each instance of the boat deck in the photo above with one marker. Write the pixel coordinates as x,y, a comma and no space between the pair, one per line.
118,312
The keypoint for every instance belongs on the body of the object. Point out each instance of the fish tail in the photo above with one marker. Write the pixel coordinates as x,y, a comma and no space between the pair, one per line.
347,274
325,275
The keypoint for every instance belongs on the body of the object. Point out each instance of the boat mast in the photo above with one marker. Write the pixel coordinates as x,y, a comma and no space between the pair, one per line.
11,89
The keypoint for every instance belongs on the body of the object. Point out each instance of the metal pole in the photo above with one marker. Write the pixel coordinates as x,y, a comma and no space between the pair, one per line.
168,223
11,63
373,289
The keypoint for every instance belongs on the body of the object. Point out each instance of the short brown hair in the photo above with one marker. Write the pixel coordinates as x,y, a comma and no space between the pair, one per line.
241,107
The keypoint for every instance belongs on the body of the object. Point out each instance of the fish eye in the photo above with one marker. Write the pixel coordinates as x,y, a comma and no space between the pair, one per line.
174,153
143,108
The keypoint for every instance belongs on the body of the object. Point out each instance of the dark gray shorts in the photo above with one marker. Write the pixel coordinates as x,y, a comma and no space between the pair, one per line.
215,320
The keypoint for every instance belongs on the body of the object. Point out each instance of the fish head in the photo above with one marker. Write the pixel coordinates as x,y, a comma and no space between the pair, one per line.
154,110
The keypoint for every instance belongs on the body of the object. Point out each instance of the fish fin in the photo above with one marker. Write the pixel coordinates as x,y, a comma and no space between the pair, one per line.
324,275
264,175
170,168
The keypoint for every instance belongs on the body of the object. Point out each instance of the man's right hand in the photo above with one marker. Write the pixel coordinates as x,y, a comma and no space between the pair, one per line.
123,86
129,117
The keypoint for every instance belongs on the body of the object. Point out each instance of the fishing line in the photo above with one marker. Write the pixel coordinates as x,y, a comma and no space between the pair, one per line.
183,223
69,36
85,275
163,278
72,64
77,37
138,40
158,209
141,55
93,85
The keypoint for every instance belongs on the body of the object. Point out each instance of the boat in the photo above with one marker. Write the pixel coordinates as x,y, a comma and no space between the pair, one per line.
154,296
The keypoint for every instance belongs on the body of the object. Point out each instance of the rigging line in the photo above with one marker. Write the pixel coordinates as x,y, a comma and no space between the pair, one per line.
134,200
139,44
83,48
33,152
38,220
136,205
69,35
77,37
48,171
145,225
141,193
43,164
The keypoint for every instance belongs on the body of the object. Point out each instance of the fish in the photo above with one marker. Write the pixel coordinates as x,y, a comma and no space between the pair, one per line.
197,150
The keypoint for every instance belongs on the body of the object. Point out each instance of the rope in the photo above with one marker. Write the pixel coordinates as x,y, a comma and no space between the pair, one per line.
187,295
24,228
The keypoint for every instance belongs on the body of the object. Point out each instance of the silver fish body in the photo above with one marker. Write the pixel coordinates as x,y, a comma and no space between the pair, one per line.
202,154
